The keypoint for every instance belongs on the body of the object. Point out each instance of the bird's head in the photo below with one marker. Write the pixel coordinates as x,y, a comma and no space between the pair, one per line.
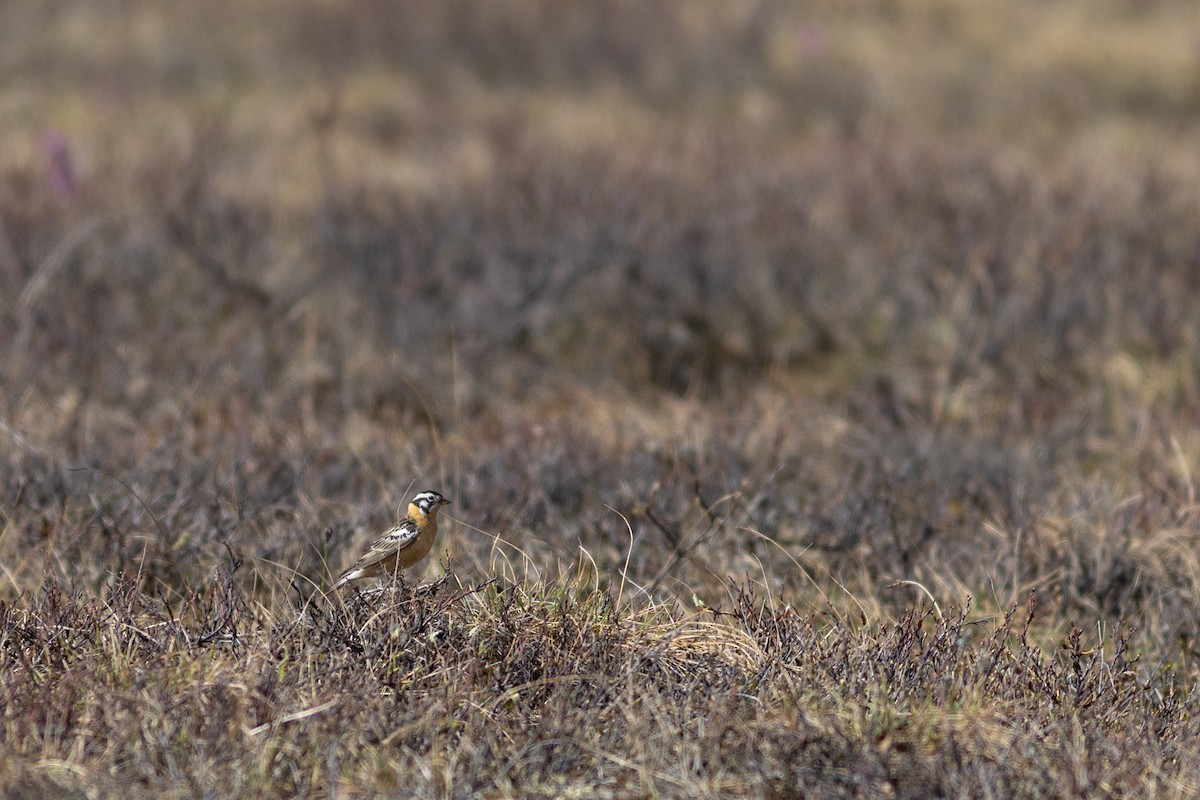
428,503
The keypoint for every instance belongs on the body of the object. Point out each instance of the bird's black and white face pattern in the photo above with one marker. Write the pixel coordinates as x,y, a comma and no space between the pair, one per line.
428,501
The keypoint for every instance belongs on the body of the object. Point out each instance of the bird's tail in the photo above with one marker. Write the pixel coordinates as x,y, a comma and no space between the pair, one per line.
347,576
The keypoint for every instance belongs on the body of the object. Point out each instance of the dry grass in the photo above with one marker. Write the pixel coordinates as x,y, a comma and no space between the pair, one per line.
815,385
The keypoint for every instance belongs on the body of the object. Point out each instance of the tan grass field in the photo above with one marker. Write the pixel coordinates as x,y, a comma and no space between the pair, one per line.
816,386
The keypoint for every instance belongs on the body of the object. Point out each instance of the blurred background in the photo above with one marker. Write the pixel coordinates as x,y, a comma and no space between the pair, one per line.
883,290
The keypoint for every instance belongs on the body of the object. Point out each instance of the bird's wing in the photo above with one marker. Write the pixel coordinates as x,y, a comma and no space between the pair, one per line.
388,544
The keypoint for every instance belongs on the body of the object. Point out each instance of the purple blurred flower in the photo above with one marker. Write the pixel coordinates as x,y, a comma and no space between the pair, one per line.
61,165
813,40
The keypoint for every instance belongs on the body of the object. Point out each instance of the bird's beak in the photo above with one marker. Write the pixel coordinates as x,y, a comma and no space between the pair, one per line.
443,502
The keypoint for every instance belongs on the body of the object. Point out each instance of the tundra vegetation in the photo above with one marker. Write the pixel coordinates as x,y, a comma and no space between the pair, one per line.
816,386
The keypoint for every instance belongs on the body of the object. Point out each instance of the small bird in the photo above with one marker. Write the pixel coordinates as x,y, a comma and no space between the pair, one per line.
402,546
